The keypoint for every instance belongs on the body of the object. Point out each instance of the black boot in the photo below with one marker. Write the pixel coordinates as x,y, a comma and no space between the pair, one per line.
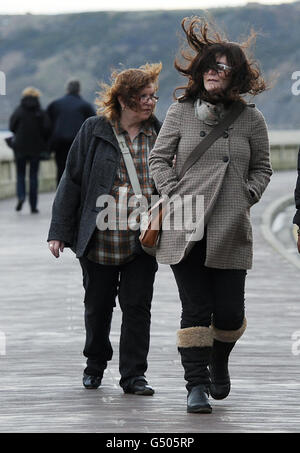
90,381
194,346
224,341
218,367
197,400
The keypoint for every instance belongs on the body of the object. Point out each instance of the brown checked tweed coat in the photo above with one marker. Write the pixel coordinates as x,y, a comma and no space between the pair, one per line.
232,176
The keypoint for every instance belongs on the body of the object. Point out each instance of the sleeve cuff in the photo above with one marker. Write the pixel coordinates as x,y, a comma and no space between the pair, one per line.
296,219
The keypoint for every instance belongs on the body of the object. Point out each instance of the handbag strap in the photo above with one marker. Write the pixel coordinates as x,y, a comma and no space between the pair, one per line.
236,109
134,180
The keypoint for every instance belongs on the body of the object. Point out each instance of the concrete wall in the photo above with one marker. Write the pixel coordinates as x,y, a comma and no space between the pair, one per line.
283,158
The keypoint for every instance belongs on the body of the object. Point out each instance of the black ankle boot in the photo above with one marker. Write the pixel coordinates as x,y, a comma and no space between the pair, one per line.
218,367
197,400
91,382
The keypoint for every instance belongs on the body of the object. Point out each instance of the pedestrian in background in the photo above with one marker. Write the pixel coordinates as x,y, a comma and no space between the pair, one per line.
231,175
112,260
296,219
67,115
31,127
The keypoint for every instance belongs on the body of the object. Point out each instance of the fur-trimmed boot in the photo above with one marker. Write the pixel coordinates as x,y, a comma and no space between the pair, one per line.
223,343
194,345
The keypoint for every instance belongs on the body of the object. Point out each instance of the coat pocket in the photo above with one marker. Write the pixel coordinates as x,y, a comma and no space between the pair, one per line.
251,200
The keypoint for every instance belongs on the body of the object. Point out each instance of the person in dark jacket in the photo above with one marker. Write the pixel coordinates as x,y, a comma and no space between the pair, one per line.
67,115
296,219
112,260
31,127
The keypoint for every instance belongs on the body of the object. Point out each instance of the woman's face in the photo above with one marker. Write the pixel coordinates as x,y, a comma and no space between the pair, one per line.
217,80
145,104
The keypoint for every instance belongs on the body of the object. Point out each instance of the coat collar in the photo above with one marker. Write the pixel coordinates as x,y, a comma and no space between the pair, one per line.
145,128
104,130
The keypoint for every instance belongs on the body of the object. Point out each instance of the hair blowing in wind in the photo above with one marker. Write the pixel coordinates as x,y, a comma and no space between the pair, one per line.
204,44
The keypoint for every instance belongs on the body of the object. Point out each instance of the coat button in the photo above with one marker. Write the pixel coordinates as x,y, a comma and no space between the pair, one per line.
225,134
202,134
225,159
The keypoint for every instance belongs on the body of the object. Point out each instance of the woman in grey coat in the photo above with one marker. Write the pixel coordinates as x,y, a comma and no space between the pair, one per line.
231,176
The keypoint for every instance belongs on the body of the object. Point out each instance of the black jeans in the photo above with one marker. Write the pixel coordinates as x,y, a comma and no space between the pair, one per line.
207,292
34,163
133,284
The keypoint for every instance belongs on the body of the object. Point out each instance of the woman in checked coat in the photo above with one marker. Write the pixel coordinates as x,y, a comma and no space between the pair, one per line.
232,176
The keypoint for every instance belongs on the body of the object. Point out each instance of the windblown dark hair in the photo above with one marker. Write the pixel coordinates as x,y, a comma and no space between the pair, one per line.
206,43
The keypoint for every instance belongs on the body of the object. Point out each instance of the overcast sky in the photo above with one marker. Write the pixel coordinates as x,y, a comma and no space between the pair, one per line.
63,6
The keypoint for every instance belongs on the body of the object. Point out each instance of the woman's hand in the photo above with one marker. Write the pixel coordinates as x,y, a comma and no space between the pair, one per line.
55,247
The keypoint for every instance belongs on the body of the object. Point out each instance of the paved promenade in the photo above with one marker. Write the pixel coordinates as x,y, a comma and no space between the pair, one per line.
42,336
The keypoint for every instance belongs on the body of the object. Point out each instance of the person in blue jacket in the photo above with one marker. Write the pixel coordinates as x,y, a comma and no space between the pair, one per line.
67,114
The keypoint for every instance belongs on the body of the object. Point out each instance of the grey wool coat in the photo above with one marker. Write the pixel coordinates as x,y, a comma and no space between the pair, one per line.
232,176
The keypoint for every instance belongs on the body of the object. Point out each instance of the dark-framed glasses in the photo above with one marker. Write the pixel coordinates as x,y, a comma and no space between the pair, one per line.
145,98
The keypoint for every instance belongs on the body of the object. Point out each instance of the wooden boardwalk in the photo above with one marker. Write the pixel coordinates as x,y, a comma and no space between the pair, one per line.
42,335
